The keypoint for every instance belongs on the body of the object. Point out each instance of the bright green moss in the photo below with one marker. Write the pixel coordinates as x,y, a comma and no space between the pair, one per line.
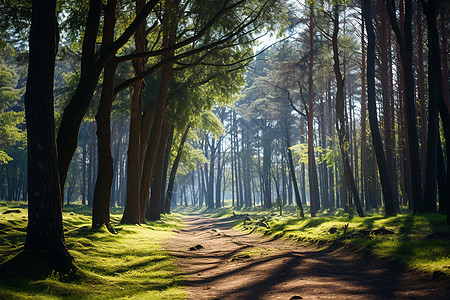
130,264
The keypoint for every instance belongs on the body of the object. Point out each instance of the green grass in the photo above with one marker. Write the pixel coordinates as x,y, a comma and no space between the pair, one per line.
409,244
128,265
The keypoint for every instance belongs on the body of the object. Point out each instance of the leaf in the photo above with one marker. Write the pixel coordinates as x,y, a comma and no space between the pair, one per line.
4,158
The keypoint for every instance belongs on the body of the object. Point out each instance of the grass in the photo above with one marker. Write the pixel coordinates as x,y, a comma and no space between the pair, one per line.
410,244
128,265
132,264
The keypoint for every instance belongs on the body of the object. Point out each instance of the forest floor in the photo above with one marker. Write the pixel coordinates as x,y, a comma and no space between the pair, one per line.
222,263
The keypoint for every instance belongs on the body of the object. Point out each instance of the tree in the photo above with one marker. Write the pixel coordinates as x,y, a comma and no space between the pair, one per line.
436,102
45,229
340,117
173,171
131,213
92,64
102,192
406,50
386,183
10,93
312,169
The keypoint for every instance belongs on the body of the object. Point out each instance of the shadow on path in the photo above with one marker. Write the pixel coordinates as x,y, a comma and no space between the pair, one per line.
239,265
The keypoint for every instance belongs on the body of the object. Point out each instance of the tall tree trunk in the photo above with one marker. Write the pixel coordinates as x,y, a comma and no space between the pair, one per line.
340,119
173,171
210,182
386,183
91,166
102,192
442,181
91,67
364,174
405,44
312,169
298,200
84,175
117,137
219,174
421,88
154,211
246,164
45,233
385,89
169,37
131,213
436,102
165,168
239,175
444,39
267,153
74,112
325,188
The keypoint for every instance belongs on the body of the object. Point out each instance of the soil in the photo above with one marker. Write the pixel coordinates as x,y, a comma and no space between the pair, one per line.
221,263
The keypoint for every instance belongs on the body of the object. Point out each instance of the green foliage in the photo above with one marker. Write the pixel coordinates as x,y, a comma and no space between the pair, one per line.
190,158
300,152
130,264
9,92
12,137
15,17
4,158
73,24
211,123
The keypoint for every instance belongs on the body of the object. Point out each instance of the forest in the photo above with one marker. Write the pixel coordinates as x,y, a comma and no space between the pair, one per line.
142,126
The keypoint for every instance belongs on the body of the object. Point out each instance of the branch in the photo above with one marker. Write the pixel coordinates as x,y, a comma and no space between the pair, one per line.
395,27
303,98
108,52
183,43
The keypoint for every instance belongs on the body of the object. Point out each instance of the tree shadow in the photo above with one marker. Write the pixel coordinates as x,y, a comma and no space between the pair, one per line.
332,271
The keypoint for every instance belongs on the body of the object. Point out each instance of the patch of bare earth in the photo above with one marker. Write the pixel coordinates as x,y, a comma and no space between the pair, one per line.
221,263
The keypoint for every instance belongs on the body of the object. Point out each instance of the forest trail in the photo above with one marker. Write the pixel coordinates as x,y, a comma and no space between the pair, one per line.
242,265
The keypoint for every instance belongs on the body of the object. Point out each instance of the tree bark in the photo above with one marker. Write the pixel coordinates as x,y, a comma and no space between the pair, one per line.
166,167
340,119
298,200
388,135
364,174
436,102
173,171
45,228
312,169
154,211
102,192
91,68
210,181
131,213
73,114
219,174
84,177
169,38
267,153
421,88
406,49
376,138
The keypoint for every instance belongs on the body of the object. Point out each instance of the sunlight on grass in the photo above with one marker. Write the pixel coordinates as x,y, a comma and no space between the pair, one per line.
410,244
129,265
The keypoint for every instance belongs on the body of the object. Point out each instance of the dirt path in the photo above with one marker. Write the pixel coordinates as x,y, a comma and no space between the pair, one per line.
239,265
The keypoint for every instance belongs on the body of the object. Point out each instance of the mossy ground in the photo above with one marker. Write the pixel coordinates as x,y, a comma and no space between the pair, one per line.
410,244
130,264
